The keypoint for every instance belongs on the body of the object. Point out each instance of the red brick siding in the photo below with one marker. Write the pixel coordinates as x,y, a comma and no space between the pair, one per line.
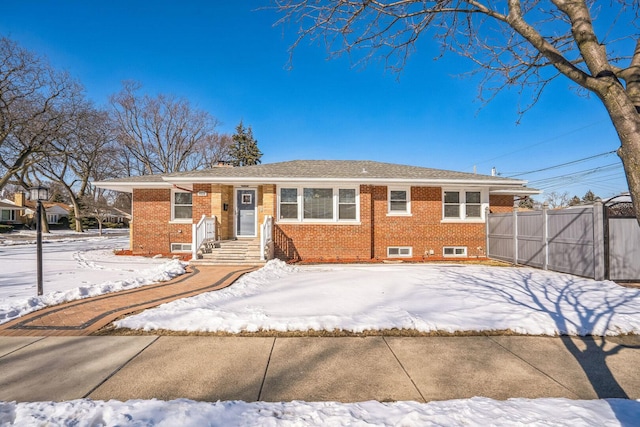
501,204
152,233
423,231
295,241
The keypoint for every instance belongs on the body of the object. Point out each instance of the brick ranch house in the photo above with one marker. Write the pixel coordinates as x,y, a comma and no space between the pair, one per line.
314,210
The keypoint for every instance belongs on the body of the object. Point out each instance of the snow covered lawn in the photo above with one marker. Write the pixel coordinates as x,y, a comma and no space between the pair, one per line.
75,266
468,412
423,297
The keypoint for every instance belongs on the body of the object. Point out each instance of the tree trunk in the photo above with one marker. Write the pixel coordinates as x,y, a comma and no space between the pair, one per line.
626,121
76,213
44,224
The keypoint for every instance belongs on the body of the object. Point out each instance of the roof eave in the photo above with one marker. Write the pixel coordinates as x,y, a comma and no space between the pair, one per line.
523,191
263,180
128,187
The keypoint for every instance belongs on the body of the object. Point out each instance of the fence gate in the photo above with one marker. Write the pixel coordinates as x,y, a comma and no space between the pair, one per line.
622,248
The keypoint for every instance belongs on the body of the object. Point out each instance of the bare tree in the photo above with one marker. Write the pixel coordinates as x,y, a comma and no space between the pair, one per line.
522,43
213,149
34,100
558,200
85,152
159,135
98,208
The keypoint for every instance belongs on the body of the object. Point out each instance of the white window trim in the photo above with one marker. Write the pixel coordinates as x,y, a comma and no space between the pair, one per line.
399,255
300,198
454,255
398,213
173,210
484,204
181,250
12,215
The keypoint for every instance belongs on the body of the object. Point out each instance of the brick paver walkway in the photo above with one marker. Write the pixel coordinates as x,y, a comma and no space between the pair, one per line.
85,316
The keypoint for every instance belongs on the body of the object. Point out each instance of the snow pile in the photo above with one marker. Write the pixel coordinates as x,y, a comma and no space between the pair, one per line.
160,273
191,313
74,269
419,296
468,412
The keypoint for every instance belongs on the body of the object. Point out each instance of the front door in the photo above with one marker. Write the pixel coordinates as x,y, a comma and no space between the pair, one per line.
246,212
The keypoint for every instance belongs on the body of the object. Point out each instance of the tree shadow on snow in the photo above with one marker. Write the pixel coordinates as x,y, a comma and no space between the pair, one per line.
570,304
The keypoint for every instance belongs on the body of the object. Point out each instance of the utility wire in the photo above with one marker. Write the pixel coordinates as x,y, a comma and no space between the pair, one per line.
513,175
543,142
573,176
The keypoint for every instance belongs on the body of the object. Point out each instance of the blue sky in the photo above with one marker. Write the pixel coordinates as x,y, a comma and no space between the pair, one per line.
228,58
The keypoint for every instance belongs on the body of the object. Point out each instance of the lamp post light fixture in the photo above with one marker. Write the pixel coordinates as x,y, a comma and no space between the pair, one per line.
39,194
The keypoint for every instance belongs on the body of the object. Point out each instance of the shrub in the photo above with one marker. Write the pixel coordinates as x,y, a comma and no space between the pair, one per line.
112,225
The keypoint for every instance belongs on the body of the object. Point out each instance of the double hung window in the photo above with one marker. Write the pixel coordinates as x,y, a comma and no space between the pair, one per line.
399,201
347,204
182,206
288,203
465,205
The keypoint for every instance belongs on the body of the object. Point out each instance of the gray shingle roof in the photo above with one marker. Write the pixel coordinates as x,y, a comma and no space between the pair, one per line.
337,169
299,171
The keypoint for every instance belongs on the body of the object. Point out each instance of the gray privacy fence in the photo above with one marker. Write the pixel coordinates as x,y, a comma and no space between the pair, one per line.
586,241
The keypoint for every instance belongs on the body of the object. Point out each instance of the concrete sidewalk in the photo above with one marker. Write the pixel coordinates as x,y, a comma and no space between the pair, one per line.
316,369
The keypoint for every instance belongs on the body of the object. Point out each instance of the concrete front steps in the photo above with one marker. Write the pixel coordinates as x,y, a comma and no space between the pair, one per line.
230,252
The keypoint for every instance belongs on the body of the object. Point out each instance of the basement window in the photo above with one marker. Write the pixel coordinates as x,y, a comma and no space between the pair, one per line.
399,251
181,247
454,251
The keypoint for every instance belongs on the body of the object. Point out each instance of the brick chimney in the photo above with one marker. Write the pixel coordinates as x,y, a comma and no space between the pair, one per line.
18,199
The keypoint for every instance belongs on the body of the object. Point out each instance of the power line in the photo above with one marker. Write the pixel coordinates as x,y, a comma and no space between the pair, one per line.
543,142
595,181
510,175
575,174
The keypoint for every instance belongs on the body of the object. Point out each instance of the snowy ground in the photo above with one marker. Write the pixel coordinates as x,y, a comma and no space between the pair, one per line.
74,266
280,297
468,412
405,296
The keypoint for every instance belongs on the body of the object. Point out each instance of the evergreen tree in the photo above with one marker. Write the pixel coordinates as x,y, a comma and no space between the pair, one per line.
244,151
589,197
575,201
525,203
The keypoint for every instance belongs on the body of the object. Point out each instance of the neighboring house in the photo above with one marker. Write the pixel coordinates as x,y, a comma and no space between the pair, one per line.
10,213
322,210
118,216
55,211
22,211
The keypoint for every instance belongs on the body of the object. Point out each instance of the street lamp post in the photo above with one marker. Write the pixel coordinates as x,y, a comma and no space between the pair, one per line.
39,194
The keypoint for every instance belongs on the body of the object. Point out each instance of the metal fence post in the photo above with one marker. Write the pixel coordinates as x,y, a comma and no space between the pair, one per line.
598,241
545,235
487,230
515,233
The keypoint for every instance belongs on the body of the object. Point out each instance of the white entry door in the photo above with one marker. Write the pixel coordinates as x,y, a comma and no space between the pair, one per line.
246,218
